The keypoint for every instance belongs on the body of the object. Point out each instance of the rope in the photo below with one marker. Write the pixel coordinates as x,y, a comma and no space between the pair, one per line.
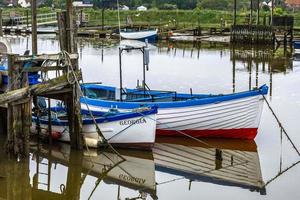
281,126
189,136
282,172
70,68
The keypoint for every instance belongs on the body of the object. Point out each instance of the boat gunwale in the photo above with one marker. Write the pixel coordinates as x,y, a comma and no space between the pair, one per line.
194,100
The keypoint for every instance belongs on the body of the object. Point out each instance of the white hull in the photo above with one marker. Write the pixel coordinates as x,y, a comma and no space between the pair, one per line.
238,114
138,34
116,132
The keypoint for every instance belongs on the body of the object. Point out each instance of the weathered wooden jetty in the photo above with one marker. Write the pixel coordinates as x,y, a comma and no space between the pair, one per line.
16,100
268,31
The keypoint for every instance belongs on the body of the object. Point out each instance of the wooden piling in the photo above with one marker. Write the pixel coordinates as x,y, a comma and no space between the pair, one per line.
234,13
19,112
68,43
34,27
1,31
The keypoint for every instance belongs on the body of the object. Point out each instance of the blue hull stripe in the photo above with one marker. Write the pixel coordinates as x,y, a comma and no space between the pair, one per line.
104,119
197,99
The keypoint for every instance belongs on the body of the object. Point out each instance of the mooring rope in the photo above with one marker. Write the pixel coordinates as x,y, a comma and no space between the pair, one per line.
67,56
281,173
191,137
280,125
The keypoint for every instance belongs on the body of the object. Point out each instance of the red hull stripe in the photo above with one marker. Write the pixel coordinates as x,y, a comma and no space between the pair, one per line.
243,133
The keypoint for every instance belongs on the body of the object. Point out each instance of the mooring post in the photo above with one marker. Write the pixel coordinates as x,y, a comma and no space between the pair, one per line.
49,122
74,113
234,13
33,27
27,19
257,19
272,13
251,11
19,112
1,31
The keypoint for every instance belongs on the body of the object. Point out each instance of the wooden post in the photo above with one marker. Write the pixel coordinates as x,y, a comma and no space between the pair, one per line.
102,18
74,110
233,69
33,27
234,13
61,20
19,113
49,122
1,31
251,11
27,19
272,13
257,17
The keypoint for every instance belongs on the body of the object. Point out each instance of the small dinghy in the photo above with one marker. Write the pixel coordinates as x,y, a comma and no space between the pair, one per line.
131,34
134,129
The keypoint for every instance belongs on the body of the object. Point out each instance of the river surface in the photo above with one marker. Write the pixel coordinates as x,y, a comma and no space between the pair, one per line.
177,168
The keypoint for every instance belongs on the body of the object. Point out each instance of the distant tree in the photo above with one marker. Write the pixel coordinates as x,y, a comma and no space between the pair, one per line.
168,6
214,4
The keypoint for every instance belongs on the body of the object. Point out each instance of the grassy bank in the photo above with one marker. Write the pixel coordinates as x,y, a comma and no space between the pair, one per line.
175,18
163,18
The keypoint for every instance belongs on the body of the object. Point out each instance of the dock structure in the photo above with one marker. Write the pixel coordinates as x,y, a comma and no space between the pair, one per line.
19,97
269,31
16,101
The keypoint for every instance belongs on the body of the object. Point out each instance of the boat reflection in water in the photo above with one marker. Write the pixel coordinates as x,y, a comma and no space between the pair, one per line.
135,173
59,173
222,162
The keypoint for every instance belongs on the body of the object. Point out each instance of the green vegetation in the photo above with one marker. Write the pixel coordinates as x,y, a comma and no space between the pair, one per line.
179,18
167,13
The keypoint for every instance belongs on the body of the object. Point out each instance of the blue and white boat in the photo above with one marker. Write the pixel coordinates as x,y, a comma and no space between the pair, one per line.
131,34
296,54
296,45
234,115
134,129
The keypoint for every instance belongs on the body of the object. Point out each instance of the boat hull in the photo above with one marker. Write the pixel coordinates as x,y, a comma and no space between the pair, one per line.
139,35
237,116
135,132
296,44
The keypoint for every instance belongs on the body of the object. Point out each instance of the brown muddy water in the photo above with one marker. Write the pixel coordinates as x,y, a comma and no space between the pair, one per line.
176,168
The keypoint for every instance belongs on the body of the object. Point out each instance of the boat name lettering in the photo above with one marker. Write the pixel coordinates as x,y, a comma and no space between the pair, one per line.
132,179
132,121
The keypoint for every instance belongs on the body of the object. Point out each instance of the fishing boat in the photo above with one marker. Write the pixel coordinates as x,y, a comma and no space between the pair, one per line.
132,34
135,129
234,115
232,163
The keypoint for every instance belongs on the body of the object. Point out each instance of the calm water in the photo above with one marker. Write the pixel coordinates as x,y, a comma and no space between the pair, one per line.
176,169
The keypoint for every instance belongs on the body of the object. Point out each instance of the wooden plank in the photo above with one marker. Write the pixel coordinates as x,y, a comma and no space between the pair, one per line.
39,89
44,69
42,57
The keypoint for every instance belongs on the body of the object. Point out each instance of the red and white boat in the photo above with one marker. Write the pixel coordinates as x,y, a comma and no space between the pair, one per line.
234,115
